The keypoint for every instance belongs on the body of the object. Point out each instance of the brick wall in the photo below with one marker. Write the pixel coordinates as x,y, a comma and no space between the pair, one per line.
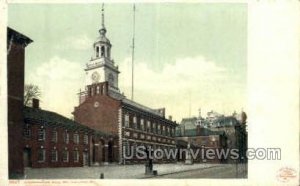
15,70
99,112
34,144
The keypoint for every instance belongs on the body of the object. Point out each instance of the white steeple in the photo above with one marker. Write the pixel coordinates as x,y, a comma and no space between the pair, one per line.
101,67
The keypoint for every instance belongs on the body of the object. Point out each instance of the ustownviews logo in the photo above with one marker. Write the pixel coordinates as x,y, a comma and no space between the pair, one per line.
204,153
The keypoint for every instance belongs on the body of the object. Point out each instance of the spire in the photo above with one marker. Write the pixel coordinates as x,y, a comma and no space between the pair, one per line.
102,30
102,10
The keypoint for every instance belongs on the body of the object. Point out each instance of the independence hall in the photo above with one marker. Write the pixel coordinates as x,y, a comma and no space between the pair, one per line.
103,108
106,124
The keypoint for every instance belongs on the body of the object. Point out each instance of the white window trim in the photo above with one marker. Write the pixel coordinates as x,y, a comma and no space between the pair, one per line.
86,139
44,134
54,139
67,160
56,155
77,157
126,120
66,137
76,138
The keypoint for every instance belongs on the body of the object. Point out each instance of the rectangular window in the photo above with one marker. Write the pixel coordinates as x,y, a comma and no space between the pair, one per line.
76,138
76,156
148,126
41,134
66,137
142,124
27,131
126,120
164,130
154,129
158,129
134,122
65,156
54,155
41,155
86,139
54,136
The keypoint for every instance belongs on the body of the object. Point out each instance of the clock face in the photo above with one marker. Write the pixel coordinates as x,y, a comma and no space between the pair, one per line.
96,104
95,77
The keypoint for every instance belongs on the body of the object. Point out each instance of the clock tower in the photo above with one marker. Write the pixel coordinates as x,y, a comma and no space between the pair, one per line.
101,67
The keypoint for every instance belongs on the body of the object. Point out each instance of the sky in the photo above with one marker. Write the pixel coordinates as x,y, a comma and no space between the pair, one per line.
187,55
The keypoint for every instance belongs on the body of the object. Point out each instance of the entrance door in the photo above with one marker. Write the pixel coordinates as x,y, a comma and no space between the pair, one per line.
85,159
27,157
110,152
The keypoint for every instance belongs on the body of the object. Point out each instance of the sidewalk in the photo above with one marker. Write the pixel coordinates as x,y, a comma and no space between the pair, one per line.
110,171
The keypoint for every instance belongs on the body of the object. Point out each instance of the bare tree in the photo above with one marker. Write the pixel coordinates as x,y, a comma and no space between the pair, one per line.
31,91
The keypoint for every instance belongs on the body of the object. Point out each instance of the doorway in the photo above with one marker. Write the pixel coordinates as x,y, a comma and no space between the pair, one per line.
85,157
27,157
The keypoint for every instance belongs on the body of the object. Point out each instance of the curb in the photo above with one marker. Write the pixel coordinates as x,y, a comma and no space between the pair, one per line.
152,176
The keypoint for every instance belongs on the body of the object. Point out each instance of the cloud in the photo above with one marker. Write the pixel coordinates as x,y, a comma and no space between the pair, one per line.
183,74
188,82
59,81
59,69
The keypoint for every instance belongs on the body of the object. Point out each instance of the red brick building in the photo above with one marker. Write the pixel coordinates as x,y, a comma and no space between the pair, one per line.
52,140
103,108
203,138
16,43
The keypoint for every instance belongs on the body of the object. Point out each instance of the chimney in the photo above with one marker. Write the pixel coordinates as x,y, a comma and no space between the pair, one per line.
35,103
170,117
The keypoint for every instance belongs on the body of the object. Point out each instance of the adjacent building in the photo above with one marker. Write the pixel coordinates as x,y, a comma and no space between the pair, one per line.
52,140
16,44
203,138
216,131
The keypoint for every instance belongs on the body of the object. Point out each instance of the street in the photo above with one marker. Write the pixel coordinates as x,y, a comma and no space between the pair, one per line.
224,171
137,172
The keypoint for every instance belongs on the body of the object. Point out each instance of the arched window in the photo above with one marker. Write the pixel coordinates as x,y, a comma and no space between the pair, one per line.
102,51
98,89
97,51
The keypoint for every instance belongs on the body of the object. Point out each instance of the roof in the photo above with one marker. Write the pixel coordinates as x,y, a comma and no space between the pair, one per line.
202,132
103,39
17,37
142,107
39,116
189,123
226,121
